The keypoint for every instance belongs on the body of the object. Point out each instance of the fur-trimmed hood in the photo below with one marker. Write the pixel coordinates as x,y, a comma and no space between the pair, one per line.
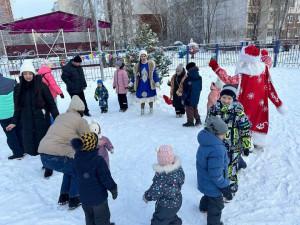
168,168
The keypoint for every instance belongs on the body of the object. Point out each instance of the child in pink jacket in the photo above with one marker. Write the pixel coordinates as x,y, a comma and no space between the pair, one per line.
103,148
121,85
214,95
49,80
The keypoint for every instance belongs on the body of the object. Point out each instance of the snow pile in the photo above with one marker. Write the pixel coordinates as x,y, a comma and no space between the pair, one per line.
268,189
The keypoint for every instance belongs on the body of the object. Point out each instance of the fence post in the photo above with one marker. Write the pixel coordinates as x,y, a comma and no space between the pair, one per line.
217,51
246,43
187,54
277,44
242,44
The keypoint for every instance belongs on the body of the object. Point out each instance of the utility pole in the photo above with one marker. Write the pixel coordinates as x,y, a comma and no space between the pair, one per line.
98,39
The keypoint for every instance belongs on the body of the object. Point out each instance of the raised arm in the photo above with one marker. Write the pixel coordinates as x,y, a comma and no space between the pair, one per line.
222,74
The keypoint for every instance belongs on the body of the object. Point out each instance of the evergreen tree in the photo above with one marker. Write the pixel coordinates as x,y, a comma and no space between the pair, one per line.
146,39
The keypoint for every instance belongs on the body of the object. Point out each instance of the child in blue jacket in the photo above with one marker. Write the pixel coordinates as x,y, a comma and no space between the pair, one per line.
101,95
212,169
94,179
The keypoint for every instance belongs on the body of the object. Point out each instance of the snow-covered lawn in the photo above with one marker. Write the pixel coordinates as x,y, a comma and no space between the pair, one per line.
269,189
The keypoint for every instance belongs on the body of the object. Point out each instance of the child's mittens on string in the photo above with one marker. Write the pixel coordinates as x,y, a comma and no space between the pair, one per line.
144,199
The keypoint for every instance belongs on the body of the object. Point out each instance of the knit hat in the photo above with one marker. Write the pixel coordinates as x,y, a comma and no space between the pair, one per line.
27,66
99,82
143,52
45,63
219,84
250,54
85,142
95,127
165,155
179,68
190,65
77,59
119,63
76,104
216,126
230,90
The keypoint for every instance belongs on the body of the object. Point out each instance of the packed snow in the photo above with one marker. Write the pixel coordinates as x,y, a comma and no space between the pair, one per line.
268,188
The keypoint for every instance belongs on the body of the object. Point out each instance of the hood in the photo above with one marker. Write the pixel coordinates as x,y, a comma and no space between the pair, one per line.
194,74
207,138
44,70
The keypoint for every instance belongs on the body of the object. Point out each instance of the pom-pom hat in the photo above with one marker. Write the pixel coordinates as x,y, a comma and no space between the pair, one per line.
250,54
165,155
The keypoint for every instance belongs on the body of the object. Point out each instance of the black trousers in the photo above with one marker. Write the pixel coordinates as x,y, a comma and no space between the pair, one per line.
165,216
180,110
82,97
14,137
97,215
213,206
122,98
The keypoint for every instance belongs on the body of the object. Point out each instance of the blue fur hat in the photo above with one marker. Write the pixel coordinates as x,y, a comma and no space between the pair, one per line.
100,82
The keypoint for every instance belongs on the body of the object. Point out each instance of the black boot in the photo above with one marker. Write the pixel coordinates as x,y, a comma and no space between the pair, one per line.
188,124
16,157
48,173
74,203
198,122
63,199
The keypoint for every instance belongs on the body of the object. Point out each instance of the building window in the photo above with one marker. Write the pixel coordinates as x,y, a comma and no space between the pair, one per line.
288,33
269,33
251,17
297,33
290,18
298,19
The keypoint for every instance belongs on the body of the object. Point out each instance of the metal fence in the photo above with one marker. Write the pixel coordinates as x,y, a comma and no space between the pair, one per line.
284,53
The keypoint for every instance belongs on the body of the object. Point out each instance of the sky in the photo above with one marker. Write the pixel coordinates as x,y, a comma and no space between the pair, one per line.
30,8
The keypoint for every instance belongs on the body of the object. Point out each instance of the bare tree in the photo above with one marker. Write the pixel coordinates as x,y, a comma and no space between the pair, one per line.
210,8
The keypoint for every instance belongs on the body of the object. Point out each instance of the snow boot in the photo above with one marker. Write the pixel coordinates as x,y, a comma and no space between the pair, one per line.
63,199
74,203
48,173
15,157
151,111
177,115
198,122
188,124
142,112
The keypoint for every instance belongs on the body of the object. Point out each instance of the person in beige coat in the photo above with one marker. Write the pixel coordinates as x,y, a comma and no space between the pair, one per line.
56,151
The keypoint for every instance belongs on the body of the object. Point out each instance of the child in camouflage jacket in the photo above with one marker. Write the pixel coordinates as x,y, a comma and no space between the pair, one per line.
101,95
166,187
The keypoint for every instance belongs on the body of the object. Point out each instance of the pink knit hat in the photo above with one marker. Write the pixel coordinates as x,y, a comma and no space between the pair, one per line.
165,155
45,63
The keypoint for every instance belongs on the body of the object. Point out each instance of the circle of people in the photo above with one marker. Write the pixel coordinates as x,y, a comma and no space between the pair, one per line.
237,111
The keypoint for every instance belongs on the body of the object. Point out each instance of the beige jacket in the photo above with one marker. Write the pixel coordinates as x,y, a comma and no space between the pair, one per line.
67,126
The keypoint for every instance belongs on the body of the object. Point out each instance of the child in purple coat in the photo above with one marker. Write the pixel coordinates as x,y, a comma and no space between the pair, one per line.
104,143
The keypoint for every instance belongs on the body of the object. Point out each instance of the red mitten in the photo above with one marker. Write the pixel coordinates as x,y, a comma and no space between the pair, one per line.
213,64
264,52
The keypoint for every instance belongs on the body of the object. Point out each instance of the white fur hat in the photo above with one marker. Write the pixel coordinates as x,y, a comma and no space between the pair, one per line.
250,54
95,127
219,84
143,52
27,66
76,104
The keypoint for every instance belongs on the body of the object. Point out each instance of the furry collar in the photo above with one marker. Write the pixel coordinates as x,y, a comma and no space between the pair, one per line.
252,69
168,168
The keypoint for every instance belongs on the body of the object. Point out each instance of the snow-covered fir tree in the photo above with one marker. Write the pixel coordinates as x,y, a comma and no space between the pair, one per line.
146,39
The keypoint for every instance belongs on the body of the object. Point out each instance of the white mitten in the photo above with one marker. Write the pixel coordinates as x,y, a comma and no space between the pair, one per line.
130,84
282,109
112,150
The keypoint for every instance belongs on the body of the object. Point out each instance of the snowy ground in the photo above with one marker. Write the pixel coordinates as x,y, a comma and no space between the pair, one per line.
269,187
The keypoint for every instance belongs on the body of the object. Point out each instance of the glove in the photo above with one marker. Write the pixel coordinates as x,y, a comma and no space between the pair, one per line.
62,95
264,52
246,151
96,98
114,87
227,192
114,192
112,150
213,64
144,199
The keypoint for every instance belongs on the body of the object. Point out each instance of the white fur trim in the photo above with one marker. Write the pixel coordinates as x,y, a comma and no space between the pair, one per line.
157,149
259,139
143,52
239,86
282,109
168,168
248,58
252,69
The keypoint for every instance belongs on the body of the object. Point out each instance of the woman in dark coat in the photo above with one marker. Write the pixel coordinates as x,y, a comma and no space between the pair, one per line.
176,84
33,105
